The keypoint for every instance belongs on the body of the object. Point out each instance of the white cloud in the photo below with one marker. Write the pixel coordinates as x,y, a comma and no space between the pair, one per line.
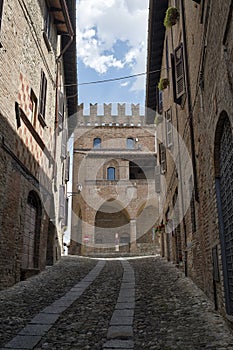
124,84
103,23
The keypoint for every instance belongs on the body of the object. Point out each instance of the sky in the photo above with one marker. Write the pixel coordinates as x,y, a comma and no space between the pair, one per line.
112,43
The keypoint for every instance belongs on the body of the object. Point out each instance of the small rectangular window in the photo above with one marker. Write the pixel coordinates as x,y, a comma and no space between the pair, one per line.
130,143
169,133
162,158
43,92
159,95
111,173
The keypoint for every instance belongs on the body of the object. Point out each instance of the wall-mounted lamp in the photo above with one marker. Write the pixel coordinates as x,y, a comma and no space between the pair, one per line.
79,187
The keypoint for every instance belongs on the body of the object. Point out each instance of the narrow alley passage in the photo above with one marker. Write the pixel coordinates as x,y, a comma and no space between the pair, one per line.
134,303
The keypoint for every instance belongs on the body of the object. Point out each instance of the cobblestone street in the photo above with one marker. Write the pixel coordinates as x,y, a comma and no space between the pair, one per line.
134,303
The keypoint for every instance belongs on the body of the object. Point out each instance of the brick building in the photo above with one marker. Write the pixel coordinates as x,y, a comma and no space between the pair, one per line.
36,42
194,52
114,199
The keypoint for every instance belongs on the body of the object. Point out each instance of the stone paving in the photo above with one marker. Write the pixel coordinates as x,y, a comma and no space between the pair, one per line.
125,304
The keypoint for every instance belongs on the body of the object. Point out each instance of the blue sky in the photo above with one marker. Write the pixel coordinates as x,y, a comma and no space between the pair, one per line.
112,43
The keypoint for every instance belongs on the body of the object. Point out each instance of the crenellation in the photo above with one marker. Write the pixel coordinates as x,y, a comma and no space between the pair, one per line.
94,118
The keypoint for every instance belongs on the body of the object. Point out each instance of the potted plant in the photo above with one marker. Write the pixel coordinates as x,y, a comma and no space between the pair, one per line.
163,83
172,16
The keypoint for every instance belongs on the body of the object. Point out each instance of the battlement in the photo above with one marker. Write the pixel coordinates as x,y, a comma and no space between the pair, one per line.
94,118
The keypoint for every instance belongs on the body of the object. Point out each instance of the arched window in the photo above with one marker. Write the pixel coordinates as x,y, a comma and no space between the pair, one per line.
111,173
130,143
97,142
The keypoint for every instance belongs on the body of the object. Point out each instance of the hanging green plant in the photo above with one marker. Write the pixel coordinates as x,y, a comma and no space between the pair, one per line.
163,83
172,16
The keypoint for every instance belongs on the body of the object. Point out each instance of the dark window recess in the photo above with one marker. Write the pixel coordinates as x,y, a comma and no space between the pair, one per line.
43,92
97,143
33,100
60,111
61,202
111,173
162,158
169,133
136,172
47,29
192,205
64,145
67,169
197,1
130,143
17,115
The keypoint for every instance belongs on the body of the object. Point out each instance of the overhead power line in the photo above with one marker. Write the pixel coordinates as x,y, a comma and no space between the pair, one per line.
115,79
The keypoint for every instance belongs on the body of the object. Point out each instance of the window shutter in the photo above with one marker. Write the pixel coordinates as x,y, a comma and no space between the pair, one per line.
169,134
64,145
157,179
43,91
162,158
67,168
179,71
61,202
60,111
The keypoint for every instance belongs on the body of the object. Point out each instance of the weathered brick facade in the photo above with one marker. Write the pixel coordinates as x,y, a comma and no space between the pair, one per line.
31,79
197,59
113,165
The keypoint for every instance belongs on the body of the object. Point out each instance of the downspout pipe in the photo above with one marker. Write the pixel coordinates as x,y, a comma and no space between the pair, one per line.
58,62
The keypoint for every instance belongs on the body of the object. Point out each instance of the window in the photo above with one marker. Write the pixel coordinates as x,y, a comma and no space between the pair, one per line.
179,71
43,91
169,134
97,143
178,74
47,28
67,168
60,111
111,173
130,143
33,107
162,158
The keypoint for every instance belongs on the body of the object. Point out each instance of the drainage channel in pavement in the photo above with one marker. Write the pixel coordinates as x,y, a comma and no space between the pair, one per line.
120,331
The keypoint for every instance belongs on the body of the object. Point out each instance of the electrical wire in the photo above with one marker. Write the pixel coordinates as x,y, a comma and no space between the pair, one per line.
116,79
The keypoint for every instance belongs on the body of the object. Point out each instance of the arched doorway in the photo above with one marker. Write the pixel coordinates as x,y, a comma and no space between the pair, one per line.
224,191
31,234
111,224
